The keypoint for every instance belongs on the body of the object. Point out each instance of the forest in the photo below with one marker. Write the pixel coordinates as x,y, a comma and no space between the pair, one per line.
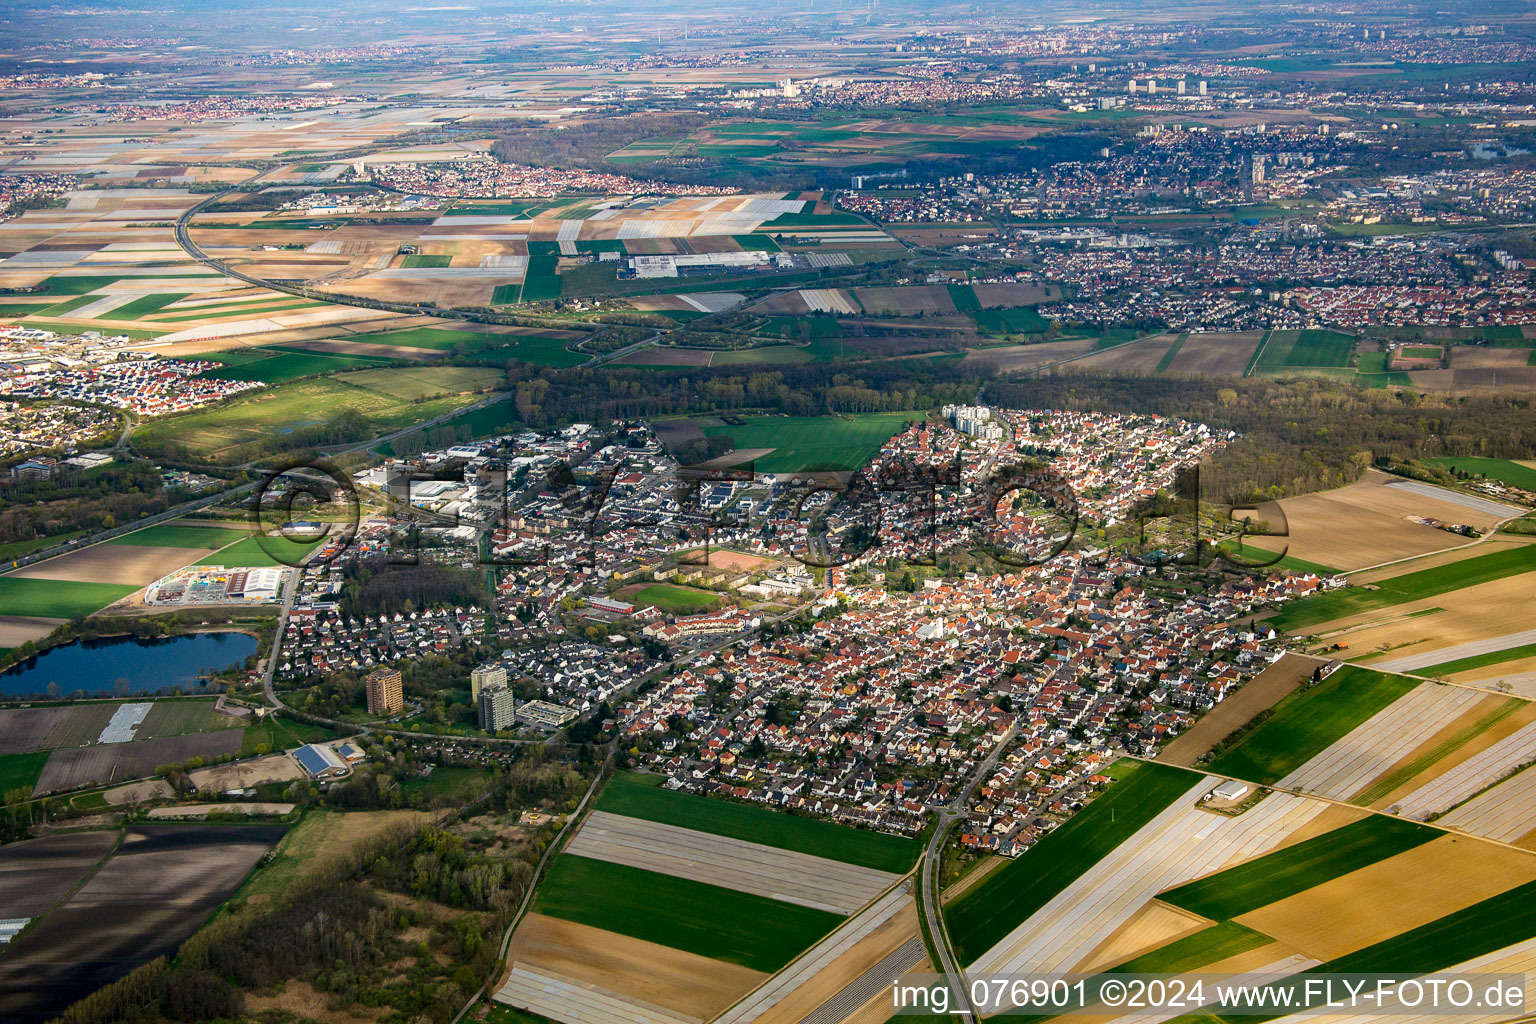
405,926
1297,436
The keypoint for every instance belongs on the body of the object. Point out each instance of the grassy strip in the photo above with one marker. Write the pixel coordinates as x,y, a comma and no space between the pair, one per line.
983,915
1395,778
1308,721
1264,880
1168,356
641,796
707,920
1253,360
1221,940
57,599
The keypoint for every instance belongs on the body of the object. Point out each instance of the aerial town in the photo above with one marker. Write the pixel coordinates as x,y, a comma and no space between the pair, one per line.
856,513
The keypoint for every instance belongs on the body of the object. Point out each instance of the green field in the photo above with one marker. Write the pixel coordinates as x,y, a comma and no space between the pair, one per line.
1497,922
1221,940
1019,320
676,600
641,796
254,552
1504,470
984,914
1264,880
181,535
1288,349
421,337
281,366
1173,350
1420,352
425,260
803,443
57,599
541,281
21,771
143,306
279,733
1306,722
1441,579
1253,553
708,920
964,298
62,285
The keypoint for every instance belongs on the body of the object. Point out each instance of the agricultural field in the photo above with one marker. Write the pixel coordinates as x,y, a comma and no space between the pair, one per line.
1409,587
808,443
1367,523
752,931
986,913
37,873
798,878
641,796
1256,883
1307,722
1288,350
1087,924
155,891
1254,697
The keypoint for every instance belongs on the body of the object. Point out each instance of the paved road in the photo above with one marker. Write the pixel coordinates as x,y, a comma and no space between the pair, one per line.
929,902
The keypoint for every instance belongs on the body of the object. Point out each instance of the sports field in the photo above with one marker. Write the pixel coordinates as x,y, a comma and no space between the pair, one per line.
57,599
641,796
985,913
807,443
723,924
1440,579
1306,722
677,600
1285,872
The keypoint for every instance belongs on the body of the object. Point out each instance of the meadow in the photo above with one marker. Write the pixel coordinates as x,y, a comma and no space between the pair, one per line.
180,535
1308,721
641,796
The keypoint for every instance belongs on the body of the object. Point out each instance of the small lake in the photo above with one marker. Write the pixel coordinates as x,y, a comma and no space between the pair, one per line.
123,665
